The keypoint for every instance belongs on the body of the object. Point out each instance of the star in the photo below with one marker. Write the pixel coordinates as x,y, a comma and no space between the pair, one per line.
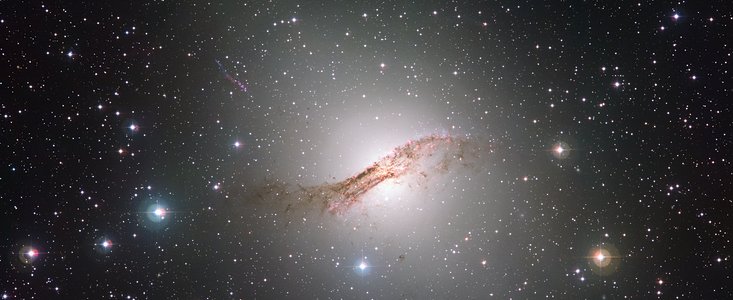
237,144
559,149
600,257
159,212
107,244
362,266
32,253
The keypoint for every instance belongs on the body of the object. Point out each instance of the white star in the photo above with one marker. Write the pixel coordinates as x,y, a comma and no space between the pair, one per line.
160,212
32,253
559,150
600,256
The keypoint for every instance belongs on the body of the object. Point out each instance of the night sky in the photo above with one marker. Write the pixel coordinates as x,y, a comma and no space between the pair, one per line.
366,150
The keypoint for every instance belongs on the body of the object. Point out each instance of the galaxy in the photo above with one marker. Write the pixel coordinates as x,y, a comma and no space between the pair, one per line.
366,150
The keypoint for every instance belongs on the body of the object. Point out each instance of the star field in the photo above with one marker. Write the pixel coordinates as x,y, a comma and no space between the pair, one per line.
366,150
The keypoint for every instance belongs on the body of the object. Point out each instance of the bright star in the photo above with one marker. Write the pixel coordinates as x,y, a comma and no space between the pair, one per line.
559,149
362,266
159,212
600,256
237,144
32,253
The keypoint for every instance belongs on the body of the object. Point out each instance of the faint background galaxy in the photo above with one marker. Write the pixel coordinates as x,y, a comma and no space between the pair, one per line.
365,150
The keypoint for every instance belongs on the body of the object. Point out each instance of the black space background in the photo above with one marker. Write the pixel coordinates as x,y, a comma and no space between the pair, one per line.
659,128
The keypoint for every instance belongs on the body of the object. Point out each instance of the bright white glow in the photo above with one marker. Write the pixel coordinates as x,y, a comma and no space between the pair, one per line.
600,256
676,16
362,266
559,149
133,127
32,253
107,244
237,144
160,212
70,54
